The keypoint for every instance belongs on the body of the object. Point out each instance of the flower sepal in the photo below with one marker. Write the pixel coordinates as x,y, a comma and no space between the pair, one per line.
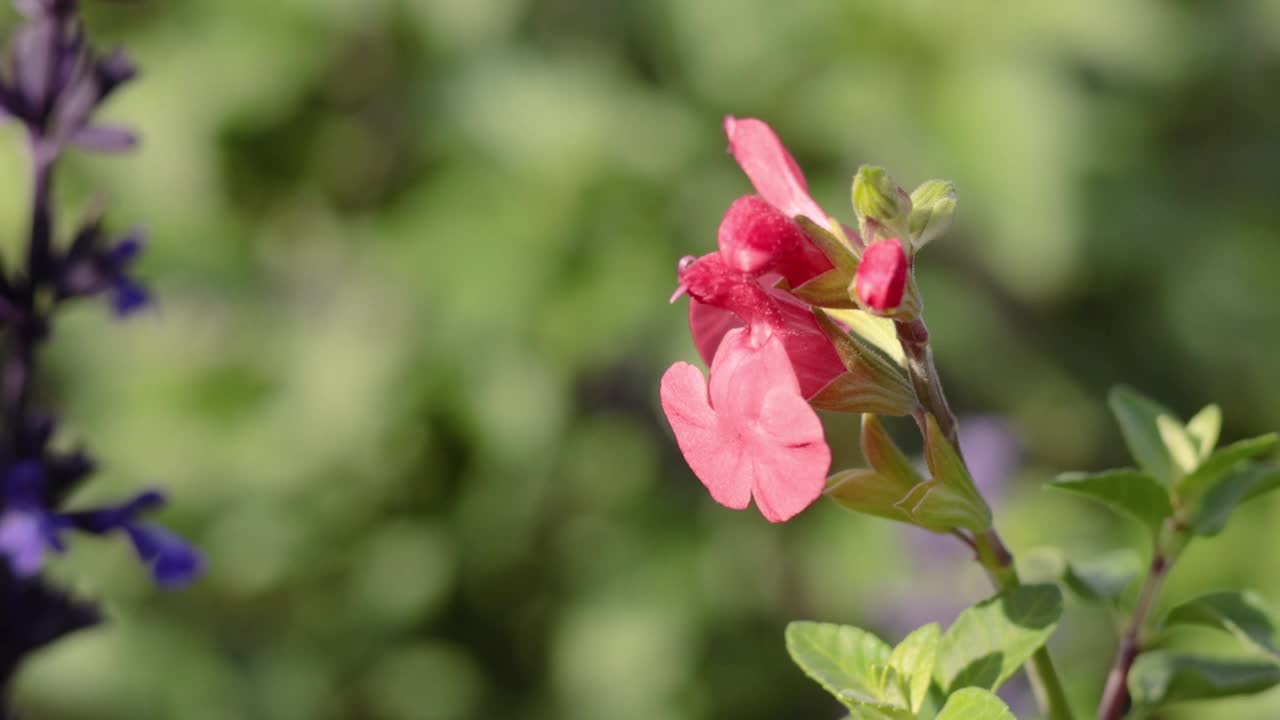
873,383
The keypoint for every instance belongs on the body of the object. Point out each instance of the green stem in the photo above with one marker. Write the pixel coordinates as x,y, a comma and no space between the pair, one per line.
992,553
1045,681
1115,695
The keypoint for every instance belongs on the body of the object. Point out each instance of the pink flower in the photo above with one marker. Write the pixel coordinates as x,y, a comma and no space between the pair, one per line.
725,299
750,434
882,275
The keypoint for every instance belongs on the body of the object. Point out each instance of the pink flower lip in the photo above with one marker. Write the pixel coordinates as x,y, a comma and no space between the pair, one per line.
749,434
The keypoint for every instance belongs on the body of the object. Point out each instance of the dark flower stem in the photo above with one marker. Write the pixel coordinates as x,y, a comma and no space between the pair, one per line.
19,376
991,551
1115,695
39,249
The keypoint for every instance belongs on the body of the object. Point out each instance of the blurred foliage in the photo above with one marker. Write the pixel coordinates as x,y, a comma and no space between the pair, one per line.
412,259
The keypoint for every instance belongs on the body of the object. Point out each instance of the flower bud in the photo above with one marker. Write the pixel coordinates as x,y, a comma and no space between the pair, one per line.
878,201
882,276
934,205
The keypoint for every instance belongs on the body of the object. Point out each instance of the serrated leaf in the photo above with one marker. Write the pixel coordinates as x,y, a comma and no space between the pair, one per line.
991,640
946,467
1137,416
840,658
975,704
1204,429
913,661
866,491
1242,484
1243,614
1163,676
873,383
1221,462
1103,578
1131,492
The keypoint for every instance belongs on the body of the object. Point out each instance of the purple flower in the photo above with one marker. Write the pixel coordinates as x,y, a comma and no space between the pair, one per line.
92,267
58,81
29,529
173,561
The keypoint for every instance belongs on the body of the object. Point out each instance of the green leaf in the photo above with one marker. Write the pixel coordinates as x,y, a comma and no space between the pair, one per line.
873,384
1182,449
1131,492
1103,578
1243,614
1041,564
991,640
1137,416
913,661
1163,676
1204,429
878,711
841,658
867,491
1221,462
975,704
946,467
1244,483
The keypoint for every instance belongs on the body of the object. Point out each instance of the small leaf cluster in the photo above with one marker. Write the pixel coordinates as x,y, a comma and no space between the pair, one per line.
1181,477
1183,487
948,675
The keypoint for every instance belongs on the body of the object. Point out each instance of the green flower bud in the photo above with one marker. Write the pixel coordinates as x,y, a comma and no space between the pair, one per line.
934,204
881,205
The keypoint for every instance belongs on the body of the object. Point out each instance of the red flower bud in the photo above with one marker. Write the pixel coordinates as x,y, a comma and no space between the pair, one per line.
882,275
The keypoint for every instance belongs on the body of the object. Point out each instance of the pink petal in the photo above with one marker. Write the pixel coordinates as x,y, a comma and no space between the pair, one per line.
708,445
813,358
793,475
882,275
755,237
708,325
781,436
772,170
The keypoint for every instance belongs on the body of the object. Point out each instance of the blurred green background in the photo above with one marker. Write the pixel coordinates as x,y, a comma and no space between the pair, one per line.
412,260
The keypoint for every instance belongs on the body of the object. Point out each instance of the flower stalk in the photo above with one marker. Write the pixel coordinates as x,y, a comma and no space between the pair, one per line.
991,551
